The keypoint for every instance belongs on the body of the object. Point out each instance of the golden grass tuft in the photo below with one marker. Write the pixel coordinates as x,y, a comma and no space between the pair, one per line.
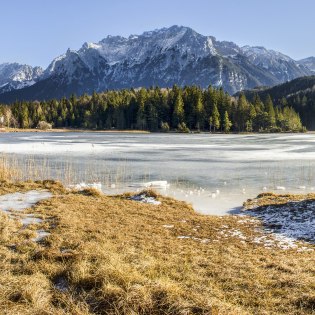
266,199
7,172
149,193
90,192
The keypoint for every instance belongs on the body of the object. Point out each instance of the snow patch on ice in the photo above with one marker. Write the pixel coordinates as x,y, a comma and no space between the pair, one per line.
154,184
83,185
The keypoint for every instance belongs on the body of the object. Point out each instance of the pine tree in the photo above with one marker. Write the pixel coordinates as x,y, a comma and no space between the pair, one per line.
178,114
227,124
141,119
210,123
242,112
270,110
199,114
249,126
216,118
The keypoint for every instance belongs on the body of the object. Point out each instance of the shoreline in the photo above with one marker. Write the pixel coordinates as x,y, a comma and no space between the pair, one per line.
65,130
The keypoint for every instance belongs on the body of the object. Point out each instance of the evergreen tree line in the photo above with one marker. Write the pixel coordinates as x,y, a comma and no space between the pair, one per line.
304,104
298,93
156,109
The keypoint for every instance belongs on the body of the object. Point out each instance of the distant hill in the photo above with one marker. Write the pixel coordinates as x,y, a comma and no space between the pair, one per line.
298,93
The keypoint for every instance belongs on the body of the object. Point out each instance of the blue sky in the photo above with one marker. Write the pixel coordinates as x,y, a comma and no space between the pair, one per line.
36,31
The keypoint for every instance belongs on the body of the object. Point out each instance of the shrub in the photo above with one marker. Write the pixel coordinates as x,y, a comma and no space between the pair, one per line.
165,127
43,125
183,128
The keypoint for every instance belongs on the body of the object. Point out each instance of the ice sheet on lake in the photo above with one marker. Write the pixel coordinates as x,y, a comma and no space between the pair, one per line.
240,166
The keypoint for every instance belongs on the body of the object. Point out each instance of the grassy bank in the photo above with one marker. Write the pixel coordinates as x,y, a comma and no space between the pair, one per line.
60,130
111,255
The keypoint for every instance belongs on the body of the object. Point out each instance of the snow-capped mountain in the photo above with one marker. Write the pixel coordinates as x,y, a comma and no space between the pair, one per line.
308,63
15,76
163,57
279,65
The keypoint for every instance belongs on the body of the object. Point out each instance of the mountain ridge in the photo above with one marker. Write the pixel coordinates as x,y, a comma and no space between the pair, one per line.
164,57
14,76
309,63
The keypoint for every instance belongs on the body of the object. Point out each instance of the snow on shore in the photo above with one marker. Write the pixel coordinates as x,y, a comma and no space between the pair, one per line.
295,219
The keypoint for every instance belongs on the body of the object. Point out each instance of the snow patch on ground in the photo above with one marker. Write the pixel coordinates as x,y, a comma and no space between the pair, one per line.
41,234
30,219
293,220
168,226
144,198
21,201
275,227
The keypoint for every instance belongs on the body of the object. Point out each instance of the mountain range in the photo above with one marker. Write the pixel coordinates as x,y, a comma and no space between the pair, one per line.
163,57
14,76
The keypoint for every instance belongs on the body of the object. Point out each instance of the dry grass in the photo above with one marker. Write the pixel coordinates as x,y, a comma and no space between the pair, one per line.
110,255
266,199
7,169
31,167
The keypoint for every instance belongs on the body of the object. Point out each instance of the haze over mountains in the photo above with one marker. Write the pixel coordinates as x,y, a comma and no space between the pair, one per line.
164,57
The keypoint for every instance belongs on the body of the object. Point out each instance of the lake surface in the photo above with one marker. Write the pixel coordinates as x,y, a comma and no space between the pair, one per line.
216,173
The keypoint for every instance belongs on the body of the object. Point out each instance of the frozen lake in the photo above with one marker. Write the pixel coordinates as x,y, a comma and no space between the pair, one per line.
216,173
